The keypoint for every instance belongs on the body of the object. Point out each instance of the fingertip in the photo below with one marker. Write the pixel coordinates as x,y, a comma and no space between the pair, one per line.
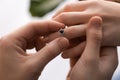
96,18
94,30
94,37
96,21
64,42
61,24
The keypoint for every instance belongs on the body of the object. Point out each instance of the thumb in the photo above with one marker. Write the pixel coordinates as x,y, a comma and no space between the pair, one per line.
50,51
94,38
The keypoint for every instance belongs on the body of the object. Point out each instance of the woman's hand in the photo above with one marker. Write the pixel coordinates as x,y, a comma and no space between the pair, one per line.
76,16
16,64
96,62
80,12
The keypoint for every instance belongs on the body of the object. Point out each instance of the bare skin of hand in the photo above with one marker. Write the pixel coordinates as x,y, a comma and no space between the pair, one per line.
76,16
80,13
96,62
16,63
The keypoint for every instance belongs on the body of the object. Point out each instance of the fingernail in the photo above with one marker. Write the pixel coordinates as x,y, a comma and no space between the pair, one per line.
97,22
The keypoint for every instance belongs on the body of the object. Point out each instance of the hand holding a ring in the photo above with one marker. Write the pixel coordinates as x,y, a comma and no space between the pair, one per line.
16,63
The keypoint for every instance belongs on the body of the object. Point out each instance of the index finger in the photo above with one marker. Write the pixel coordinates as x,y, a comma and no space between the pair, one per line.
33,30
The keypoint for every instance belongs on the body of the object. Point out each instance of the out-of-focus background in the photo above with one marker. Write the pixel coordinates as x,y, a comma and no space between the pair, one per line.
14,14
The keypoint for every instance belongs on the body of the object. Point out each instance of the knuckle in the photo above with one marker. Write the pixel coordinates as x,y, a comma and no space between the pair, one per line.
97,36
62,16
49,49
95,2
60,44
32,24
35,25
67,7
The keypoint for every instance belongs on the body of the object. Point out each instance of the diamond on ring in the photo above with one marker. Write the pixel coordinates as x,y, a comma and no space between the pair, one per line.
61,31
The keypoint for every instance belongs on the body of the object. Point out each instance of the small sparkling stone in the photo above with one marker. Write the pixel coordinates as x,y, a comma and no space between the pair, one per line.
61,31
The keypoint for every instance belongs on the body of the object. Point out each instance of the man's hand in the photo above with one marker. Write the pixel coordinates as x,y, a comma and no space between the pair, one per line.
16,64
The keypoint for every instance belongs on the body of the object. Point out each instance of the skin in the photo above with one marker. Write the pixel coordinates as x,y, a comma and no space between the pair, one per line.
76,15
79,69
16,63
80,13
100,61
115,0
96,62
